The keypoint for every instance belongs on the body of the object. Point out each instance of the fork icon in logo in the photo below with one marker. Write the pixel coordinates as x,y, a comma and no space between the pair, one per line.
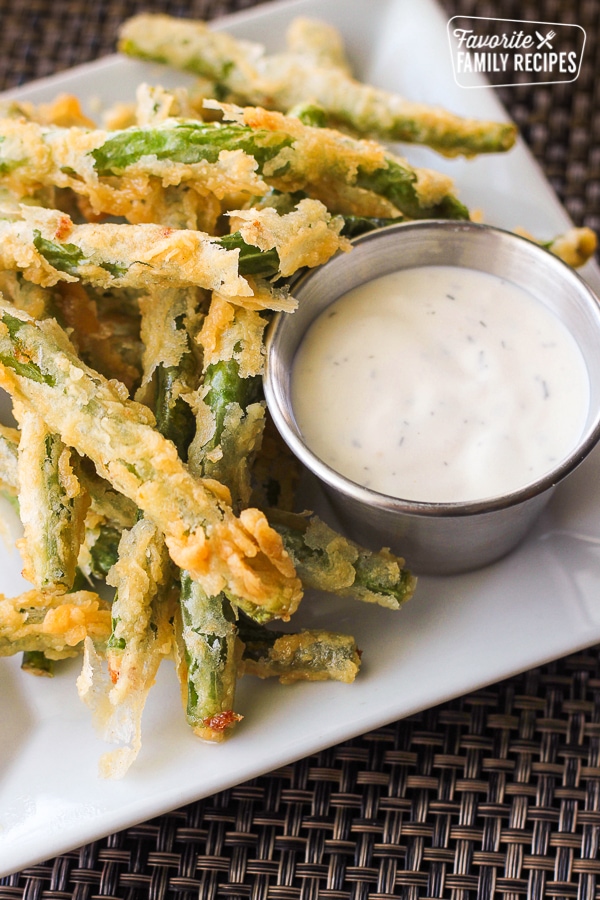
545,41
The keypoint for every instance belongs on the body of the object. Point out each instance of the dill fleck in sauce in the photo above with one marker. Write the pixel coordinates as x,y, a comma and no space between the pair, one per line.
440,384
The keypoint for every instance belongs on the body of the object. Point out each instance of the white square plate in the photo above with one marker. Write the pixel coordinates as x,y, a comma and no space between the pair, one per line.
458,633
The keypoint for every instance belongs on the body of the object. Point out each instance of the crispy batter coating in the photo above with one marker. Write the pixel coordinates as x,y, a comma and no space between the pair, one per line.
54,624
217,45
142,568
230,332
52,505
35,155
229,411
231,460
329,561
36,301
141,638
115,255
302,238
165,343
317,42
49,248
326,163
154,104
576,246
64,111
306,656
9,452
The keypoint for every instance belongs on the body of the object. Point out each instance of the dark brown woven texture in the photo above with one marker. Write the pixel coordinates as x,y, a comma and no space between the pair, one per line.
496,794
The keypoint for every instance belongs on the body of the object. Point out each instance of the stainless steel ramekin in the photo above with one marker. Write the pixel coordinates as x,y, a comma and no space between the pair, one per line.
438,538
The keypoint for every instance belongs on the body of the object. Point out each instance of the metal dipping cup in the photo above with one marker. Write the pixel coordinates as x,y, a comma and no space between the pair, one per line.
436,538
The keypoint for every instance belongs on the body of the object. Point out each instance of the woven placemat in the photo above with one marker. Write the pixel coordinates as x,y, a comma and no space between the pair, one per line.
496,794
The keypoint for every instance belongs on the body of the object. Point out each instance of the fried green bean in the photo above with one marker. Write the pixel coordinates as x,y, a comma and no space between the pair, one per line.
229,418
353,225
244,74
103,169
111,512
205,629
230,412
238,411
48,247
169,357
52,503
209,635
229,406
576,246
173,415
242,556
350,176
309,656
142,567
314,655
328,561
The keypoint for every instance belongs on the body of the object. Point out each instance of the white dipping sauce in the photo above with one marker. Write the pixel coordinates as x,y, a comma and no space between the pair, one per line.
440,384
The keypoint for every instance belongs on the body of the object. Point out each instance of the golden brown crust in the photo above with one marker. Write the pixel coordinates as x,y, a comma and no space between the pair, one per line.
230,332
56,625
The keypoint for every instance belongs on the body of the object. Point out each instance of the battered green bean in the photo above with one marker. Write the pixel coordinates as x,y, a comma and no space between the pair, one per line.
169,357
48,247
52,504
331,562
206,629
229,406
314,655
228,429
575,246
350,176
245,75
238,410
112,511
209,635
